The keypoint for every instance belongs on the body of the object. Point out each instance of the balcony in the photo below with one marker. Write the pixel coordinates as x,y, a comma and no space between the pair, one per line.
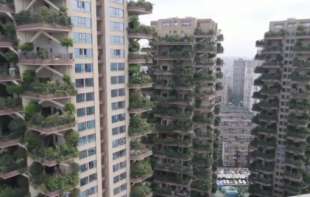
302,48
176,167
139,31
173,112
139,7
295,163
260,43
199,33
298,132
206,47
55,179
140,171
173,141
138,79
201,161
139,58
43,58
12,131
220,48
139,151
139,103
141,191
185,154
44,19
12,163
52,155
182,125
202,185
264,130
274,35
8,36
204,76
139,127
298,119
179,54
10,105
9,75
51,124
203,119
219,86
172,179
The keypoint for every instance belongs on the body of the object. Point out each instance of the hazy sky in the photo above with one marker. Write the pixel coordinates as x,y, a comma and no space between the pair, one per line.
241,21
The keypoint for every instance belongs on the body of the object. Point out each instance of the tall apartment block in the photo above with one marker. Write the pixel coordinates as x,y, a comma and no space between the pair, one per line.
50,137
235,136
186,72
280,157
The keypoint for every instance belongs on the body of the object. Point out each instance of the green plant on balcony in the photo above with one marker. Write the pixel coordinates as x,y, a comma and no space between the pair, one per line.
220,48
220,37
12,160
182,153
203,118
138,101
15,129
58,153
179,124
142,4
9,102
33,84
9,57
43,15
141,169
140,191
138,77
219,86
67,42
58,181
135,26
299,104
8,32
8,191
35,118
219,61
138,126
134,46
204,76
203,185
199,31
275,33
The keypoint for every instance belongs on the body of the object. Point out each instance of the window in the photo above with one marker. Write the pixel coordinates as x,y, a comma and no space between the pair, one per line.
87,139
79,21
84,181
88,192
118,118
85,97
80,112
117,53
118,142
89,82
118,79
82,38
120,177
81,83
118,130
119,166
118,105
119,154
88,166
116,26
83,126
82,53
118,92
120,189
80,5
117,66
118,40
80,68
116,12
88,179
87,153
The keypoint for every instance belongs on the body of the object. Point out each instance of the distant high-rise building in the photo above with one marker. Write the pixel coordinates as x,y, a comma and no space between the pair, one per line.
187,76
280,151
235,136
243,78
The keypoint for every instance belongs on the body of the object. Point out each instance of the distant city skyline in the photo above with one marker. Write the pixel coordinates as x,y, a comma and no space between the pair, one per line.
242,22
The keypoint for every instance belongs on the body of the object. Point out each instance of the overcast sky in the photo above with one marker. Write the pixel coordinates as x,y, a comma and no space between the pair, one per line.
241,21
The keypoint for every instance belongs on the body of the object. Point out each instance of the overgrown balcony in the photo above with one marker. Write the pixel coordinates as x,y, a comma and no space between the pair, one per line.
173,141
39,88
8,33
204,76
203,118
11,129
301,47
176,153
274,34
139,7
219,86
260,43
200,32
9,104
172,178
140,171
202,185
138,78
301,77
265,105
139,103
219,62
49,123
139,127
295,131
174,167
6,6
43,18
55,179
298,119
202,161
12,162
220,48
9,74
9,191
206,47
267,130
174,112
137,30
141,191
177,125
49,152
139,151
295,149
30,55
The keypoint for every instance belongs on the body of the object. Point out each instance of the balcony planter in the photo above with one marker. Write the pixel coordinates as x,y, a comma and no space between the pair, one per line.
140,171
45,16
139,126
141,191
138,101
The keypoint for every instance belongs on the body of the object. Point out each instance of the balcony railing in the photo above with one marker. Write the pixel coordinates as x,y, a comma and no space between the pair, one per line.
141,191
187,154
140,171
45,58
12,163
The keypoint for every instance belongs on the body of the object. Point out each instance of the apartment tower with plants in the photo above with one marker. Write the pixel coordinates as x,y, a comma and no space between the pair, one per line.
140,84
49,101
186,74
280,151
